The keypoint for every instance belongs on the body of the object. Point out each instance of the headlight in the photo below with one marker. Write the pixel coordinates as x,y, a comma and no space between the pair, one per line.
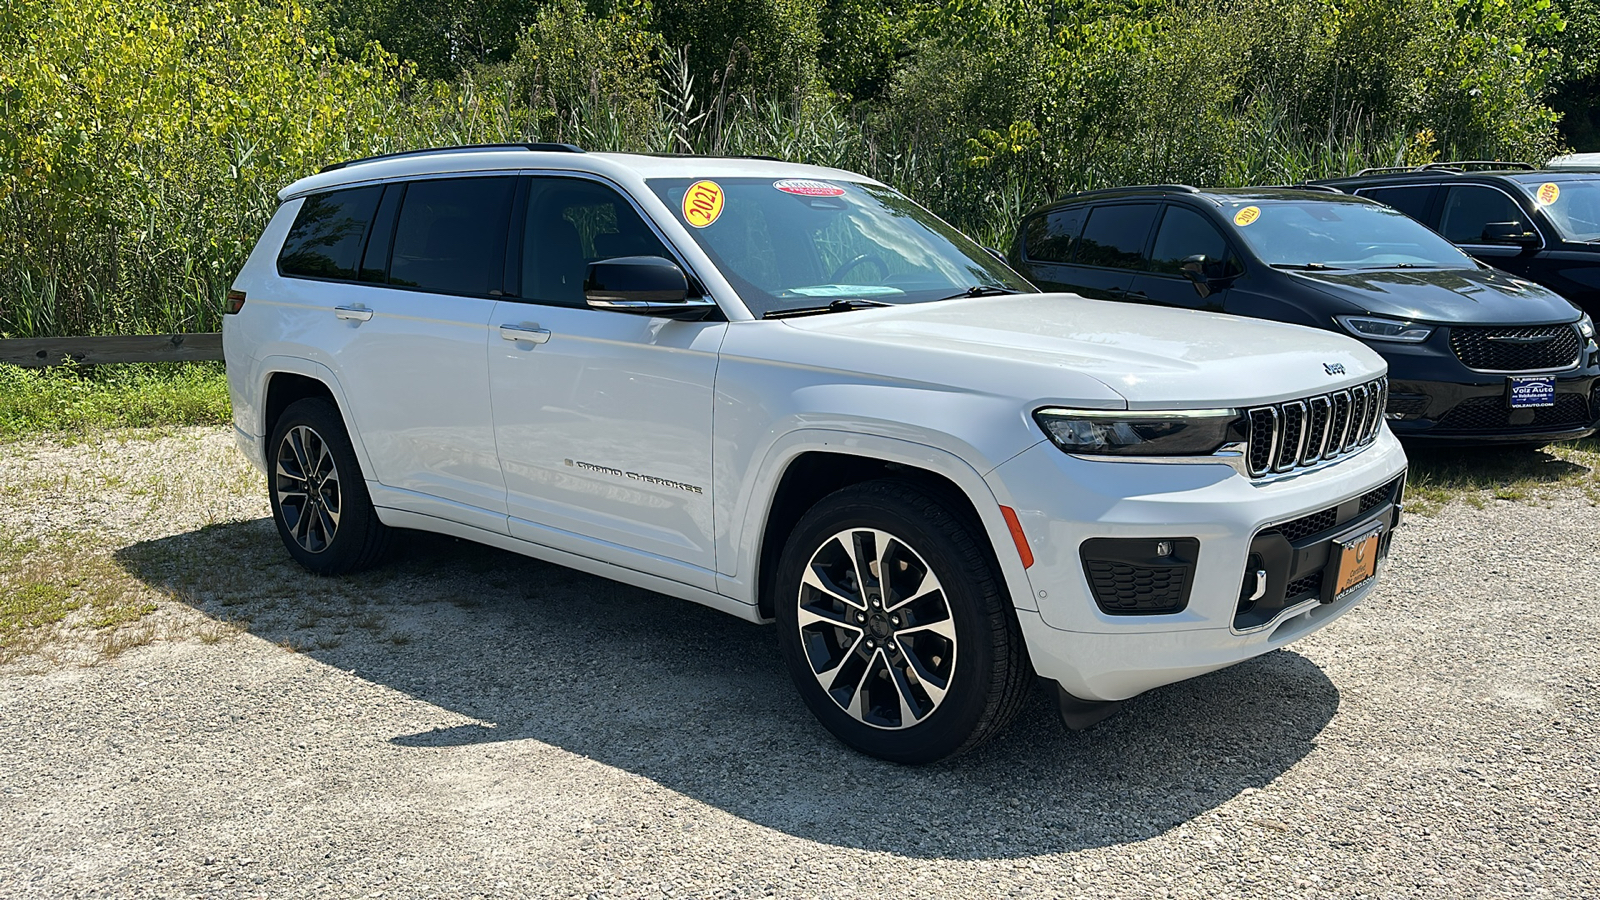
1386,329
1190,432
1586,326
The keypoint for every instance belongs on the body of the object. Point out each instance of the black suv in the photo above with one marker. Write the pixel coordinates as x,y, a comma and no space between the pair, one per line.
1474,355
1540,224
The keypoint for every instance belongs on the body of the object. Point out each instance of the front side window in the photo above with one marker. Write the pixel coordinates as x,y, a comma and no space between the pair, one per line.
1468,209
802,243
573,222
1049,238
1184,234
450,237
1115,236
328,232
1572,205
1342,233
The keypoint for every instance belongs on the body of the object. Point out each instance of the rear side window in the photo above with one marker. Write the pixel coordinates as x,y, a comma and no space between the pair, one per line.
1049,238
450,237
328,233
1469,208
1413,200
1185,233
1115,236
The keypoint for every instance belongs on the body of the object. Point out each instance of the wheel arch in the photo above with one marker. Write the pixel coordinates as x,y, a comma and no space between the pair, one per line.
286,379
806,474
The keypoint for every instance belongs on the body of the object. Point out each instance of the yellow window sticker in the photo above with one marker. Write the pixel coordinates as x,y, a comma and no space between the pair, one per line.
1247,215
702,203
1549,192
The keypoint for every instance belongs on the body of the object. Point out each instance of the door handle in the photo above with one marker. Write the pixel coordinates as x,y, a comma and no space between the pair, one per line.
1135,295
352,313
1115,293
533,335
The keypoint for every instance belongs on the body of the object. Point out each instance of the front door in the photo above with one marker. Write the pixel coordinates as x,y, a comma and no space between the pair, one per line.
1186,242
602,419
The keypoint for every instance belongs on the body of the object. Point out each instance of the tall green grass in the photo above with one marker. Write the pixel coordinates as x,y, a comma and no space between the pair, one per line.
83,400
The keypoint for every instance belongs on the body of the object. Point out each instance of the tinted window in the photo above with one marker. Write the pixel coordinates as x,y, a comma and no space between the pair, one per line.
1184,233
326,239
1114,236
572,223
1050,237
1413,200
451,235
1467,209
375,261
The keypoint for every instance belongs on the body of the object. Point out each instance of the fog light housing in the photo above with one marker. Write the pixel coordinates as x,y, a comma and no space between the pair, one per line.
1140,576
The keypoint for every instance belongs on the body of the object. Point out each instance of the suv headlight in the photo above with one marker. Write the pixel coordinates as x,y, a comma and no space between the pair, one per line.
1378,329
1586,326
1188,432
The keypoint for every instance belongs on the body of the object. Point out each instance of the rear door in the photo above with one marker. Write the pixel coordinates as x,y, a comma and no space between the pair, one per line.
1186,240
603,419
1111,249
412,358
1415,200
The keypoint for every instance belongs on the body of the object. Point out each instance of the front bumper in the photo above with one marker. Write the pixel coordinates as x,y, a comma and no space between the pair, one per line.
1062,501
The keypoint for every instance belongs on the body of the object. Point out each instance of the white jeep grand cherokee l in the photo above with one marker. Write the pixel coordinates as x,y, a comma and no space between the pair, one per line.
792,394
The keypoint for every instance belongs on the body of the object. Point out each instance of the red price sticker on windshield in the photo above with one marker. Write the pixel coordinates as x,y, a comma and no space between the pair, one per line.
805,187
1549,192
702,203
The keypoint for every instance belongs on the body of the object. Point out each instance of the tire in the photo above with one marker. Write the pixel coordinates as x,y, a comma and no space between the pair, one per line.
341,533
946,670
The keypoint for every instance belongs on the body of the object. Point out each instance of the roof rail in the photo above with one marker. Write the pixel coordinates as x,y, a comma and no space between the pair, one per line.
1141,189
1459,165
465,148
1303,186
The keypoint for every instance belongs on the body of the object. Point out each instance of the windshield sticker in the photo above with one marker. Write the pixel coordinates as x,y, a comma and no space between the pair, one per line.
1549,192
808,188
1247,215
702,203
845,290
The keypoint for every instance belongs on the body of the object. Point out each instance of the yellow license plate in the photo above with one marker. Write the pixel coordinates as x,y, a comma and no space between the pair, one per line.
1358,561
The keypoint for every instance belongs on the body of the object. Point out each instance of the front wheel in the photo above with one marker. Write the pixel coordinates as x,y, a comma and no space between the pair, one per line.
898,633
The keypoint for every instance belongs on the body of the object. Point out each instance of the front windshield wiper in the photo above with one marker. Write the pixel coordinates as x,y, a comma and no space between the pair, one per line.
1306,267
980,290
841,305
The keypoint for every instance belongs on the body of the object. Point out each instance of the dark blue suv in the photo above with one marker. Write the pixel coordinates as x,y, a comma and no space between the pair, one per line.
1475,355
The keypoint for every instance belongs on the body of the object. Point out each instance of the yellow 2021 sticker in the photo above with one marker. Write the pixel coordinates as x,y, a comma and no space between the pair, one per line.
1549,192
702,203
1247,215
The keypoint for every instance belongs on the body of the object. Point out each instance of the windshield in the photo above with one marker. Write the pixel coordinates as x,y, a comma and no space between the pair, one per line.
803,243
1341,234
1573,206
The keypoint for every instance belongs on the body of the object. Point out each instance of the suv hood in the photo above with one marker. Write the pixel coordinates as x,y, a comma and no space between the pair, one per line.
1446,296
1064,348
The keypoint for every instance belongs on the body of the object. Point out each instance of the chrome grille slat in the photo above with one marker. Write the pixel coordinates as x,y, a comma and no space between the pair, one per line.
1311,430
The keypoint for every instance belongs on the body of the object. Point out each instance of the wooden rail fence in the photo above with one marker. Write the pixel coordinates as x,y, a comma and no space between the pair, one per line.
94,351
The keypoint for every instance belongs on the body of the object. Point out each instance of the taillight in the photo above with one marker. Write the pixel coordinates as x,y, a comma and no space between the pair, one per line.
234,303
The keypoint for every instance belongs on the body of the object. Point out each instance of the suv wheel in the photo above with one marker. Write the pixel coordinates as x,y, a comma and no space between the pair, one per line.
319,499
898,634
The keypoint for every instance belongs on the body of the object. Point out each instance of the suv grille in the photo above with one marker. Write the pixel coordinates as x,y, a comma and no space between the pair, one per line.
1300,433
1517,349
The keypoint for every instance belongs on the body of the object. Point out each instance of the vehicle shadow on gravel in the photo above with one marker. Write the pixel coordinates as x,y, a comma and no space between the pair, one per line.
700,703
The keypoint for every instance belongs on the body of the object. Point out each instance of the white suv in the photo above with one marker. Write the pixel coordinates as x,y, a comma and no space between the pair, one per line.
792,394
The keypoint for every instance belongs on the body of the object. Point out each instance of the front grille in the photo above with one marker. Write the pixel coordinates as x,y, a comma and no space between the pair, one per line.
1377,496
1307,525
1119,587
1298,590
1522,349
1300,433
1492,414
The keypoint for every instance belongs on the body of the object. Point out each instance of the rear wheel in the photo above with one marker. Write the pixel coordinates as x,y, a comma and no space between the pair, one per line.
319,499
898,634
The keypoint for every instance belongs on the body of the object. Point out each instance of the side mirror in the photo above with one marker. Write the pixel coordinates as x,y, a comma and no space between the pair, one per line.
1204,272
644,286
996,254
1513,233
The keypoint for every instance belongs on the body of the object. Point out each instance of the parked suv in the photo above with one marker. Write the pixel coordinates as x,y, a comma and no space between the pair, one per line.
791,394
1474,355
1538,224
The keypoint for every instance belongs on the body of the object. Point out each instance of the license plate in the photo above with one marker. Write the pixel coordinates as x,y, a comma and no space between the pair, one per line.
1355,560
1529,391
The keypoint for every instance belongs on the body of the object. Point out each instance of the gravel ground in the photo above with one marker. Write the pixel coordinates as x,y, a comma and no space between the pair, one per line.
470,723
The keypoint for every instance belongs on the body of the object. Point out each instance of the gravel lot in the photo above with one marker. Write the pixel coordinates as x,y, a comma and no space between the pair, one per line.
470,723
